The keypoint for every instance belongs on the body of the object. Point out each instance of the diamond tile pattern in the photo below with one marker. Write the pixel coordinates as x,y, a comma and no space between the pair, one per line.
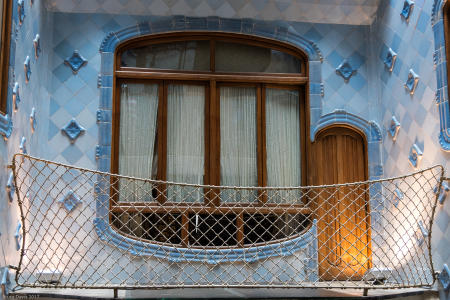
76,61
70,201
356,12
413,43
373,92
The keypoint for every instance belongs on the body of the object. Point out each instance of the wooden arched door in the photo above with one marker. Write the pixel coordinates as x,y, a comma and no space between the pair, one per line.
339,155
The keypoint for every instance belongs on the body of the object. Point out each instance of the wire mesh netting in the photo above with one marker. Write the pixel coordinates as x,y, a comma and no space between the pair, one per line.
88,229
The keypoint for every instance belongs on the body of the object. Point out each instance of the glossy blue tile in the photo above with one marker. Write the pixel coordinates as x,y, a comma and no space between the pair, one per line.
423,22
313,35
52,129
54,106
334,59
62,73
74,84
72,154
358,82
396,41
111,25
356,60
74,107
64,49
424,47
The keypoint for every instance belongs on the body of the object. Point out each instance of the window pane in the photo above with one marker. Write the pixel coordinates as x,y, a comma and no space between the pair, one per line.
185,140
186,55
238,158
283,143
137,148
233,57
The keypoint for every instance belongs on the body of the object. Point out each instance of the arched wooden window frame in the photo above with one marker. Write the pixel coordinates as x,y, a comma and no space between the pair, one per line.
446,16
211,78
5,49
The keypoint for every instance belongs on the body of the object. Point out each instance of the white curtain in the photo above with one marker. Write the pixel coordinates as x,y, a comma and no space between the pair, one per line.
138,115
283,143
238,157
185,140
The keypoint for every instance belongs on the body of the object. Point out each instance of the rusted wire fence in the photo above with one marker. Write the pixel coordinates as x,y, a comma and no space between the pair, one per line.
87,229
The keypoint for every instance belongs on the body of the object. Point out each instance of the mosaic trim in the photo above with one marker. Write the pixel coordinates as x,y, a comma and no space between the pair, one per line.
389,60
440,62
18,236
70,201
408,6
75,62
10,188
397,196
73,130
345,70
371,130
16,96
6,126
394,128
21,11
27,69
412,81
33,120
444,277
415,155
443,192
269,29
37,46
5,281
211,256
23,145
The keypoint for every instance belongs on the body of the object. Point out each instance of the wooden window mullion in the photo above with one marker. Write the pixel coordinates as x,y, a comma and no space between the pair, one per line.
213,198
260,134
162,141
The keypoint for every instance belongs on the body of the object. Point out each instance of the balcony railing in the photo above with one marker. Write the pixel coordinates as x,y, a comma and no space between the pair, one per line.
88,229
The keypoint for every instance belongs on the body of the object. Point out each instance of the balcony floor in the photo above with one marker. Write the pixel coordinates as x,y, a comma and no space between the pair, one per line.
227,293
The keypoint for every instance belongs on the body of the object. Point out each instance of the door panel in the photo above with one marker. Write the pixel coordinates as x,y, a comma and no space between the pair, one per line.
339,156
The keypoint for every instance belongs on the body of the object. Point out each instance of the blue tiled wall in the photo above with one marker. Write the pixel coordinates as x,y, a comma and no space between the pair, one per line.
373,92
413,41
32,94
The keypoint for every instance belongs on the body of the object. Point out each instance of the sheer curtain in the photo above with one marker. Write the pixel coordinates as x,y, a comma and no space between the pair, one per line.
283,143
238,157
138,115
185,140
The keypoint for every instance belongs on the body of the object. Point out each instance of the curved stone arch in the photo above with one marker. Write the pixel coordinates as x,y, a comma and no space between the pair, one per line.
280,31
437,12
269,29
370,129
440,62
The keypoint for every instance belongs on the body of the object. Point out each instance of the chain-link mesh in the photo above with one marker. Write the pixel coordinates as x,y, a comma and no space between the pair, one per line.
83,228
